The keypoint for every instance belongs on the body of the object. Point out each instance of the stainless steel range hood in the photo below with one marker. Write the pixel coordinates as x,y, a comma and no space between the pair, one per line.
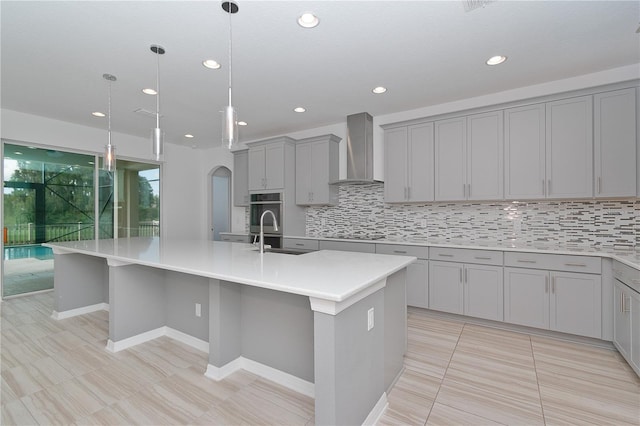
359,150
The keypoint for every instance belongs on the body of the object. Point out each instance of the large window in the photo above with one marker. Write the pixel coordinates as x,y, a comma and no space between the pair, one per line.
50,195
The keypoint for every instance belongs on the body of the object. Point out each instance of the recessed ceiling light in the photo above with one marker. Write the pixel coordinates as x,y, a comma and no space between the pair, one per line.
496,60
149,91
299,109
98,114
210,63
188,135
308,20
379,89
242,123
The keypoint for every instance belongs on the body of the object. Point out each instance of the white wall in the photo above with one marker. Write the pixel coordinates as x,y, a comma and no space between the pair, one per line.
181,203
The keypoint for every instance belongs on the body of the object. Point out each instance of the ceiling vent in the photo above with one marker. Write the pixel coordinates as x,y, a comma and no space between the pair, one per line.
470,5
146,113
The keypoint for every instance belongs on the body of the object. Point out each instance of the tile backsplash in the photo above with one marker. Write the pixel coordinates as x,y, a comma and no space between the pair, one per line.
362,211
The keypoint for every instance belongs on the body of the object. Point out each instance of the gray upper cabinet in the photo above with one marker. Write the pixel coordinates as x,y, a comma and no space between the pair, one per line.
409,164
317,166
241,178
469,157
450,152
615,143
524,150
267,163
569,150
485,156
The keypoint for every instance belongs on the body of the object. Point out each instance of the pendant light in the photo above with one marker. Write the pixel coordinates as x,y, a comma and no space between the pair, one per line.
109,162
157,135
229,119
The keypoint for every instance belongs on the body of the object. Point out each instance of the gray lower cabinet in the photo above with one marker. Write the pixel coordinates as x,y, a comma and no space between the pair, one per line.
626,324
445,287
568,302
466,281
417,272
347,246
234,238
241,178
300,244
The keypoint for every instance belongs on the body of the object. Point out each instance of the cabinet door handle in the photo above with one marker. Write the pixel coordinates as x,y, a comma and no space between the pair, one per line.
621,302
300,244
445,255
546,284
575,264
469,190
549,187
543,193
465,275
464,190
460,274
482,257
553,285
526,261
599,184
400,251
405,192
408,193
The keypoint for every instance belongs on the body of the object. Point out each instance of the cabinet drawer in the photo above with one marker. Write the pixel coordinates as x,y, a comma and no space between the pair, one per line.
300,243
235,238
626,274
417,251
554,262
348,246
483,257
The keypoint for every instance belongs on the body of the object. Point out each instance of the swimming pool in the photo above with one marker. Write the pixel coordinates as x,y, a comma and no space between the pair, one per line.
24,252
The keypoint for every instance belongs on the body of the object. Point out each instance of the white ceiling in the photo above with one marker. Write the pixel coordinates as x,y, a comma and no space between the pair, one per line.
425,52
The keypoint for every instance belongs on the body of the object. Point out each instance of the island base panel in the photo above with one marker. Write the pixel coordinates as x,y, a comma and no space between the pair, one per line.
349,367
137,301
79,281
269,327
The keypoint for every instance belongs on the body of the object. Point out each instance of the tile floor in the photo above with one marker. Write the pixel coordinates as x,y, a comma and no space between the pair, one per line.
57,372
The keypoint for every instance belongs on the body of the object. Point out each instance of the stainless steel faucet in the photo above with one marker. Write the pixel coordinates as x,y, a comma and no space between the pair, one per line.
275,227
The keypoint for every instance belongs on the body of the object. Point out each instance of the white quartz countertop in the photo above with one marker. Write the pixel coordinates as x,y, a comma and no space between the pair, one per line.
330,275
628,256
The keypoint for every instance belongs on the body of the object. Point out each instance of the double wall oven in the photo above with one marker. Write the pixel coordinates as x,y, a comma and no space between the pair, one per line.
260,203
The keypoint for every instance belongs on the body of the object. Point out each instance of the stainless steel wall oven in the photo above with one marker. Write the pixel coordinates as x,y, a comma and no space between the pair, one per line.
258,204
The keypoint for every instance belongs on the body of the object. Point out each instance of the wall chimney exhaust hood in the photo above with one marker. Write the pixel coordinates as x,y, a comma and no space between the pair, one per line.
359,150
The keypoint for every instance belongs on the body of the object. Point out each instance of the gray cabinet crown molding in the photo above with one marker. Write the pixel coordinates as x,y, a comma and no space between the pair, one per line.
515,104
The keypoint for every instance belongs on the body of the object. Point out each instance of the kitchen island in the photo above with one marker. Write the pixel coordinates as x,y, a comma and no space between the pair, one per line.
328,324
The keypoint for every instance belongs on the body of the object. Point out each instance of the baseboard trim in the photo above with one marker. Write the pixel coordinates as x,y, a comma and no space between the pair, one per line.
123,344
172,333
187,339
377,411
285,379
80,311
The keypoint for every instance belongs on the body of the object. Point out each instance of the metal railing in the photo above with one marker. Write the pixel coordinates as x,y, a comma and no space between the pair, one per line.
26,233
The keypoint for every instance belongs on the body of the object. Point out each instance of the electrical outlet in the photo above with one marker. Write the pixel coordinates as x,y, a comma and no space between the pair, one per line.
198,310
370,319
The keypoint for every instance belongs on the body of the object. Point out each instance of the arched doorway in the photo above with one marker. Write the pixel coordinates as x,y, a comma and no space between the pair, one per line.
220,202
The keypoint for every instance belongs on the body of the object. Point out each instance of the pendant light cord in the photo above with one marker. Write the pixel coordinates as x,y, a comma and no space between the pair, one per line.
158,88
230,48
109,113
